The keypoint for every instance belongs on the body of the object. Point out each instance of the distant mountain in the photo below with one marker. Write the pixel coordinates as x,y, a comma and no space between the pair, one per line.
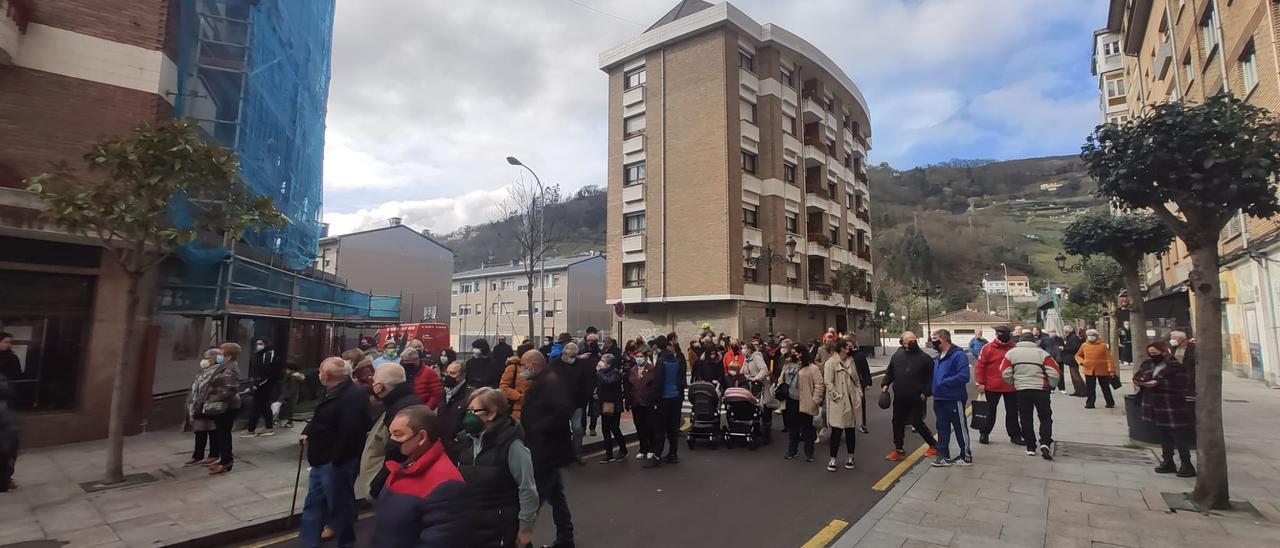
580,227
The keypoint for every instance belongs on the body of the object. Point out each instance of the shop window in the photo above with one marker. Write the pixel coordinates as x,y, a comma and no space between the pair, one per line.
47,316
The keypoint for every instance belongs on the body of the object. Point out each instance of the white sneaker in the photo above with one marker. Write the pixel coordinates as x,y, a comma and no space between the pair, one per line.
268,433
642,456
248,434
831,465
1031,453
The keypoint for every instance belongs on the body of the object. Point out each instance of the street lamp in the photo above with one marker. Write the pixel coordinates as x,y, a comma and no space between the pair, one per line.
1062,264
767,257
1008,308
542,247
923,289
884,318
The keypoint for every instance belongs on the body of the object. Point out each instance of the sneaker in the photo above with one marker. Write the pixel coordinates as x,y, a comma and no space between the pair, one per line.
1089,406
652,463
248,434
790,456
931,452
621,456
831,465
1018,441
895,455
1111,406
809,458
962,461
288,424
642,456
848,465
268,433
864,430
941,462
984,439
1031,452
1166,467
1045,452
607,459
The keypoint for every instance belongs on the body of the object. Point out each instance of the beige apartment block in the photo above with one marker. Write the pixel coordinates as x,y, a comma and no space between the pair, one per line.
1188,50
725,132
492,301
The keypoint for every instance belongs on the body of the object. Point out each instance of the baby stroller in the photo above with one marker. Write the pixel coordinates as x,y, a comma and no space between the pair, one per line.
706,414
743,410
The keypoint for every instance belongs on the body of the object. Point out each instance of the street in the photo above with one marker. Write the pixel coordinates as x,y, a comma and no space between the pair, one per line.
721,497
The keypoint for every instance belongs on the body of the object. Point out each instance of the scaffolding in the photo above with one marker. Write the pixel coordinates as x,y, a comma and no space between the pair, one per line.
254,74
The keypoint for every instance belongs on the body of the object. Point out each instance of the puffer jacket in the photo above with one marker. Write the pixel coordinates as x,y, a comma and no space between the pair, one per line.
1095,359
1029,367
513,386
986,370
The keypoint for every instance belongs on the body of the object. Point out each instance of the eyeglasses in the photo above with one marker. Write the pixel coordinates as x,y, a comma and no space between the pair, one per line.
478,411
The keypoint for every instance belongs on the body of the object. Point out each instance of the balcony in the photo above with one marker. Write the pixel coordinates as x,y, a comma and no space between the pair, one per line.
633,243
1110,63
863,214
1164,59
633,294
13,24
812,111
632,144
819,239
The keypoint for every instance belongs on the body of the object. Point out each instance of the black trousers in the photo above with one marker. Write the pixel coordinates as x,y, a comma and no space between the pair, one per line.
642,416
263,397
909,409
666,426
8,459
551,491
593,413
1011,425
799,428
612,427
850,441
1175,438
1037,401
1091,389
221,440
203,439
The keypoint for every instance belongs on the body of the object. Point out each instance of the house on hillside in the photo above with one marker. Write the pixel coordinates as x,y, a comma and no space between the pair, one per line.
965,324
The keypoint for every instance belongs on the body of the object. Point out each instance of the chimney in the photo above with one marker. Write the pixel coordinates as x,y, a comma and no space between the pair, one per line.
394,221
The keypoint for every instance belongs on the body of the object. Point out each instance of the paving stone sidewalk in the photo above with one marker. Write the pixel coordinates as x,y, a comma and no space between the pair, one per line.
1007,499
184,504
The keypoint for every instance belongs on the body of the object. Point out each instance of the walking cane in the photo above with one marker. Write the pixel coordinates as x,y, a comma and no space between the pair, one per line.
297,479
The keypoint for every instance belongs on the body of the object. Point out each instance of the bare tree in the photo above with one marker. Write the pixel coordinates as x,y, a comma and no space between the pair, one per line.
534,232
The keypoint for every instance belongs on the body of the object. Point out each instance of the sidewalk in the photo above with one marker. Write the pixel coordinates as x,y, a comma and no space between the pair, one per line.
1100,491
183,504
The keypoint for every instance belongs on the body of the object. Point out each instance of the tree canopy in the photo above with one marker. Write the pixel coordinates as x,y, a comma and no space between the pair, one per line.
1126,237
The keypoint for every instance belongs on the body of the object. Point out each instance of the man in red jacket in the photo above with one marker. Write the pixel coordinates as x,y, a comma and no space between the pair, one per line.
986,373
428,387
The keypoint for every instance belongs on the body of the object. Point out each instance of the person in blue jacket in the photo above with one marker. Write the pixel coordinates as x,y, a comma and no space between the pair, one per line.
950,393
976,344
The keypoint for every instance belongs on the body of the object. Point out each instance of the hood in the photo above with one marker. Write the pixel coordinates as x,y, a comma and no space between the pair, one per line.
398,393
502,431
1027,344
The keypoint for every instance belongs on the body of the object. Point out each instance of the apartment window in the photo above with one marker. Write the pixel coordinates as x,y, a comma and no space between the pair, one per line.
633,275
789,124
831,190
464,310
508,284
633,174
523,312
1188,69
1111,48
793,223
633,125
493,285
478,310
1249,68
788,77
494,308
747,111
849,242
834,234
633,223
1209,32
558,305
748,162
555,280
633,78
789,173
852,201
1115,88
750,275
828,104
751,215
746,61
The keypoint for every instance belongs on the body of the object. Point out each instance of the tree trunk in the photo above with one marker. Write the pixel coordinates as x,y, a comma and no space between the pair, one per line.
1212,490
124,385
1137,316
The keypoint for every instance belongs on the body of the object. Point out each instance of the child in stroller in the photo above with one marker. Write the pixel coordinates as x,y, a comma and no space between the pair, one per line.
705,399
743,410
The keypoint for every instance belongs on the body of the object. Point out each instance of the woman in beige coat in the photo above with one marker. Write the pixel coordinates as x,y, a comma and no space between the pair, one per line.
842,396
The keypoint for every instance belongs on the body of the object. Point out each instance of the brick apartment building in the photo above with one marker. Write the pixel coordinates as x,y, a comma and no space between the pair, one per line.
1153,51
724,132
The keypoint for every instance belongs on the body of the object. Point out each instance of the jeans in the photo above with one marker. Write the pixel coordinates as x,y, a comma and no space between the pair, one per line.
799,428
578,424
1175,438
263,397
909,409
1038,401
1011,425
850,441
331,502
611,425
1091,390
220,439
551,491
951,417
666,425
643,418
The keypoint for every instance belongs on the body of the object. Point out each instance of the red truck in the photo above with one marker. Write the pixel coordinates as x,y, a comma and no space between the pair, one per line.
434,336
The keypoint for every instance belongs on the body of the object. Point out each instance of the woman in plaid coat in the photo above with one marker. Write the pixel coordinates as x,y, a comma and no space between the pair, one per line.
1164,385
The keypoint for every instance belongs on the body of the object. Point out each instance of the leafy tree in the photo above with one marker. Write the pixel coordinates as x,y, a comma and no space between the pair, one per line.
1195,167
1126,238
849,281
126,197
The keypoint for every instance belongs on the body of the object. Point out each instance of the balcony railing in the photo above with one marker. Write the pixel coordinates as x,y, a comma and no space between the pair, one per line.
820,287
865,254
817,190
820,239
864,215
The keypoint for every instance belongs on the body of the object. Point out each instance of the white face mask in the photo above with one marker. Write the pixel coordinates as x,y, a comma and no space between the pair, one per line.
1093,338
476,352
1173,343
641,360
205,363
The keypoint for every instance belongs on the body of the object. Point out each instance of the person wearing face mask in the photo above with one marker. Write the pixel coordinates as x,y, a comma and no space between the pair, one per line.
608,400
976,344
1184,350
514,384
393,391
502,350
548,406
424,500
481,369
910,373
389,354
580,377
950,379
991,385
427,386
219,401
196,422
264,377
841,394
1164,384
709,364
456,395
801,379
1034,373
334,440
1099,366
290,389
672,380
641,396
1070,345
498,470
590,354
733,354
1125,335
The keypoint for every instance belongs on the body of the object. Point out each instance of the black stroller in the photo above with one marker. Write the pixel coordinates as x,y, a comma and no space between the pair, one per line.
706,414
745,420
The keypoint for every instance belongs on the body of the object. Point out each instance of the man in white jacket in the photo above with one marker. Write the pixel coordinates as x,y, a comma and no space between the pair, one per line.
1033,374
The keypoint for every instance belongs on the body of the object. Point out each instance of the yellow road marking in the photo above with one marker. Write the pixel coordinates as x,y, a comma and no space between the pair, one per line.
888,480
293,535
827,534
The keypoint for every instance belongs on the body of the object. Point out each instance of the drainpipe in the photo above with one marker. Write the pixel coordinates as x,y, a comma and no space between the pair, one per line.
1222,48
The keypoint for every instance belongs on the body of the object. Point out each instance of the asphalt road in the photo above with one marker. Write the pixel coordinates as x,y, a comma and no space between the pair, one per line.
718,497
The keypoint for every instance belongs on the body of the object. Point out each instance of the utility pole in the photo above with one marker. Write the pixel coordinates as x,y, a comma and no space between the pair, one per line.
1008,309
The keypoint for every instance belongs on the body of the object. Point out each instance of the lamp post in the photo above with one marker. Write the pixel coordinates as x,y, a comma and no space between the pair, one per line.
883,319
542,246
1008,309
767,257
1062,264
922,289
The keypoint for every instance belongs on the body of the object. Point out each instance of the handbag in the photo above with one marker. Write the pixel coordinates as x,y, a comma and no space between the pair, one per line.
1115,382
608,408
981,419
211,408
782,391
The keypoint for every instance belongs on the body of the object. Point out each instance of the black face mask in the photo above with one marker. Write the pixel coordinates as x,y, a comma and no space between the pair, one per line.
913,346
449,382
1157,358
1004,337
936,344
394,454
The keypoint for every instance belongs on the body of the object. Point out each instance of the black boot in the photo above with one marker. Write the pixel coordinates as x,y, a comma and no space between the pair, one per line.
1166,467
1186,471
984,439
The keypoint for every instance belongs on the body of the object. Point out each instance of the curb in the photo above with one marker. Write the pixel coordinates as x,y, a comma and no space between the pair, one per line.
854,534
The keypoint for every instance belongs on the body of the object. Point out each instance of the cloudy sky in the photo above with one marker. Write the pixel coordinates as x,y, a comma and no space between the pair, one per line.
429,96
